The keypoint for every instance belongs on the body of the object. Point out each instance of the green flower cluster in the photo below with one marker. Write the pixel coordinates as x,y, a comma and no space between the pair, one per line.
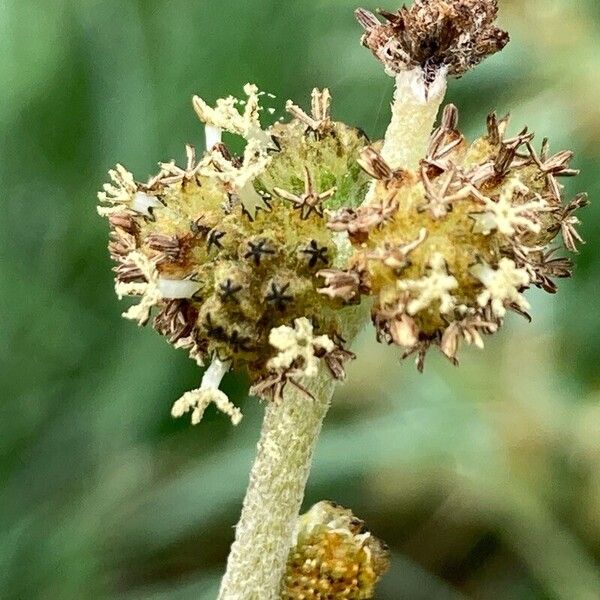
228,249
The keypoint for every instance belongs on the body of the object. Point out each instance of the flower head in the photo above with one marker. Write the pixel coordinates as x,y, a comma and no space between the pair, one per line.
334,556
225,251
449,248
251,260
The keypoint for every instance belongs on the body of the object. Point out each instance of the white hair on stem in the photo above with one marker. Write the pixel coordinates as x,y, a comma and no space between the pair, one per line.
265,531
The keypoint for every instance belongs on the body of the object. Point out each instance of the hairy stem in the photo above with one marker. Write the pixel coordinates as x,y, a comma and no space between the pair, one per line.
414,111
273,499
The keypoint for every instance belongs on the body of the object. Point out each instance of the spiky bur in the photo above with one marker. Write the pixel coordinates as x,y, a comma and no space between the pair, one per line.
224,252
333,556
449,248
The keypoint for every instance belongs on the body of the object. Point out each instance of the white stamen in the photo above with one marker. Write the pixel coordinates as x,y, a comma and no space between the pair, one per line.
198,400
506,215
119,192
256,160
153,290
214,374
434,287
502,285
227,117
298,343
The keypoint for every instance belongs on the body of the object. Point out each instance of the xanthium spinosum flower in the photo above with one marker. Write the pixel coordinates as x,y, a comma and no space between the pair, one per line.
260,262
225,252
256,262
448,248
333,556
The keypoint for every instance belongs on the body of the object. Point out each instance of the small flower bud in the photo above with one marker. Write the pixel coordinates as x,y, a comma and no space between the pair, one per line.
334,556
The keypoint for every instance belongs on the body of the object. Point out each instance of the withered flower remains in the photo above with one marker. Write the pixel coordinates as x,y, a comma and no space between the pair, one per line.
452,35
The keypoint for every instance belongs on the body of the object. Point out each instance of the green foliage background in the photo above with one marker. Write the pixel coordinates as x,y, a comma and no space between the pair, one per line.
484,480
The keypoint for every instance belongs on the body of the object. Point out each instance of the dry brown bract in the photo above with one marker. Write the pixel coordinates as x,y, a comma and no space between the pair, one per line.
320,119
311,200
434,34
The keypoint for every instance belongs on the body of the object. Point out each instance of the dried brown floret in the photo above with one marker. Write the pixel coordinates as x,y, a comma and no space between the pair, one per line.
311,200
319,120
340,284
454,35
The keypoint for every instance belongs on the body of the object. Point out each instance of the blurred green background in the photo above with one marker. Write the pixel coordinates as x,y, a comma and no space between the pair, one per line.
484,480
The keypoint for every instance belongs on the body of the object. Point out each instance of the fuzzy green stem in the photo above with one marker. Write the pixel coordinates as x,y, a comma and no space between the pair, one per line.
414,111
264,533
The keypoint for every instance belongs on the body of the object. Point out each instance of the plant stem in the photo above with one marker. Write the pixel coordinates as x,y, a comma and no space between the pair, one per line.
414,111
264,533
